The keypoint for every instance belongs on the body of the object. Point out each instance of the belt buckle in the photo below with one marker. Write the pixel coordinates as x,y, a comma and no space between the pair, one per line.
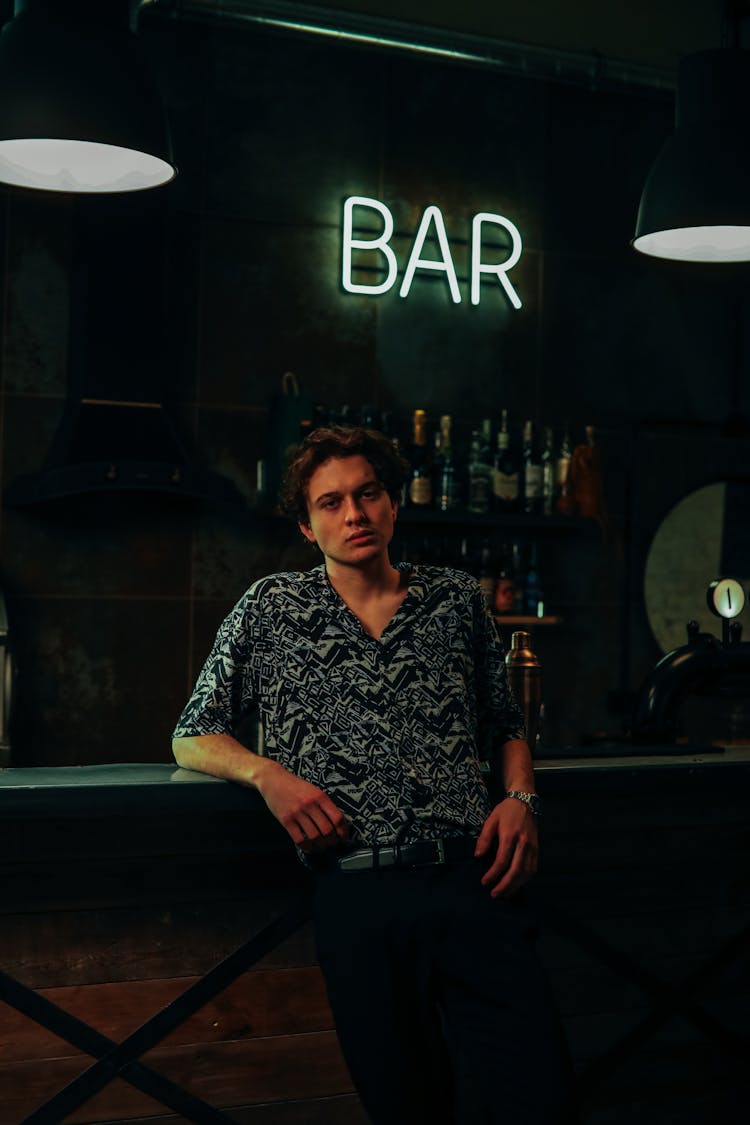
440,855
360,860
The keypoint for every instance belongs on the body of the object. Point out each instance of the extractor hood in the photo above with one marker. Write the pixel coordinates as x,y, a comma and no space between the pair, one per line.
115,446
117,434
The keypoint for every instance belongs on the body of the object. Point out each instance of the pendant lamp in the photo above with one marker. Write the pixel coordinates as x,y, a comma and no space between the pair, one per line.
695,205
79,108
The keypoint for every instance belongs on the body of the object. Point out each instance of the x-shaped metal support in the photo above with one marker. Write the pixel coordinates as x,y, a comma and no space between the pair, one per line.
667,1000
119,1059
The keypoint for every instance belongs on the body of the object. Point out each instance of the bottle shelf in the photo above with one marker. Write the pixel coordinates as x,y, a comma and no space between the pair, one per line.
530,622
494,521
413,517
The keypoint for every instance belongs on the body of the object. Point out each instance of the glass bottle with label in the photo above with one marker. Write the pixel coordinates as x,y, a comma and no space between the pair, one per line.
564,502
485,440
519,577
532,472
371,417
548,472
487,576
420,484
437,461
505,474
479,473
505,587
396,443
447,486
533,596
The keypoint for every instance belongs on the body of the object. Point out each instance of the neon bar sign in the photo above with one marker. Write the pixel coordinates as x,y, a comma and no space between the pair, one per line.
431,218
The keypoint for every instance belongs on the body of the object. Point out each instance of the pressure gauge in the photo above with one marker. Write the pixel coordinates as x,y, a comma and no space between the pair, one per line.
725,598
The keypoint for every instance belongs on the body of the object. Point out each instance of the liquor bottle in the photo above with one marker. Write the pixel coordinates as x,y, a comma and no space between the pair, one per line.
548,472
487,577
403,496
586,486
532,593
564,501
532,472
320,416
436,466
370,417
519,577
485,440
437,458
396,443
420,484
505,587
505,475
447,485
479,473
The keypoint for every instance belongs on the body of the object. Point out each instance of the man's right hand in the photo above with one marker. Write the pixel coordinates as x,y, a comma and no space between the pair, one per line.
310,817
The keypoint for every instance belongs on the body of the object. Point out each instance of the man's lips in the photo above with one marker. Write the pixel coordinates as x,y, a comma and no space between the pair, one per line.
359,535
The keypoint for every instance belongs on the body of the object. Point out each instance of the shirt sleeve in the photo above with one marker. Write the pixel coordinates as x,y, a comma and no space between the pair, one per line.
229,684
499,716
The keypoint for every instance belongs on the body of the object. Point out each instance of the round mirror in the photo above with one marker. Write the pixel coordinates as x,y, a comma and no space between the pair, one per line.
704,537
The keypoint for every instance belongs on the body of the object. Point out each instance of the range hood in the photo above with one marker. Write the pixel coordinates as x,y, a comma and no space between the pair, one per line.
113,446
116,435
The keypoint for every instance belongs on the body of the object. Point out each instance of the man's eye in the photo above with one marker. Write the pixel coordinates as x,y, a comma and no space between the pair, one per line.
371,493
328,504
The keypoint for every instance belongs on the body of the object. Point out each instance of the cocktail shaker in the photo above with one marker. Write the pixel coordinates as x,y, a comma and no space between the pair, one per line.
525,680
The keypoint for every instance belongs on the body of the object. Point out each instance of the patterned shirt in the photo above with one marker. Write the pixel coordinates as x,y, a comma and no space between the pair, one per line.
393,729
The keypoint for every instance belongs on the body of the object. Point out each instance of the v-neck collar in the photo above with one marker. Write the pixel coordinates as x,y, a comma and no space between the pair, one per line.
415,593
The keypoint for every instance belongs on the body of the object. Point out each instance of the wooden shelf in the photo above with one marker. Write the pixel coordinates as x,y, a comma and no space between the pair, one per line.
529,622
494,521
450,521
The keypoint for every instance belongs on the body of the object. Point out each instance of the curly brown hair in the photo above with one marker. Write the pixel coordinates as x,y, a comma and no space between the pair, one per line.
340,441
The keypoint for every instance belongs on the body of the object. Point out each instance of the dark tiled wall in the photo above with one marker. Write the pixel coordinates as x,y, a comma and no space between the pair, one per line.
229,277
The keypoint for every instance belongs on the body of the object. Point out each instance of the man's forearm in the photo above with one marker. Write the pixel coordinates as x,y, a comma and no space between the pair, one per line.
221,756
310,817
516,766
509,834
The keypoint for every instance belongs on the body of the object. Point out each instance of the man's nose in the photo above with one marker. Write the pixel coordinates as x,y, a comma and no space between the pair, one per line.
353,512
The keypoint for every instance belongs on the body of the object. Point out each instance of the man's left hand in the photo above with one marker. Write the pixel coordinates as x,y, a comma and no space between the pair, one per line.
511,829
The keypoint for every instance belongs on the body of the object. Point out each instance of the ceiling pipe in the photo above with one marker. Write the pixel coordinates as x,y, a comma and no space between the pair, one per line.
580,68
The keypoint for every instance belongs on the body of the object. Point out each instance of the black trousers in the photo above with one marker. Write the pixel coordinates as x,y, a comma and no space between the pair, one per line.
442,1010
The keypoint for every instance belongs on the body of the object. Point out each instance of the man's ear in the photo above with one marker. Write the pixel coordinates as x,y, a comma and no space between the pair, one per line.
307,531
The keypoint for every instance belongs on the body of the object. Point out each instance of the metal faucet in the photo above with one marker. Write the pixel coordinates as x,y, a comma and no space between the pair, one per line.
702,664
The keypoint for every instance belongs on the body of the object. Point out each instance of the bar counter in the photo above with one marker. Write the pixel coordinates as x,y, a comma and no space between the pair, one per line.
130,891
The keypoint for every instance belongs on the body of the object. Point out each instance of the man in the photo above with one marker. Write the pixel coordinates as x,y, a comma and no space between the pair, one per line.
380,689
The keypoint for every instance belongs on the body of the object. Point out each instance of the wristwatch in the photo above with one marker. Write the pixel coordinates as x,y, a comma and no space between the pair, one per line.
532,801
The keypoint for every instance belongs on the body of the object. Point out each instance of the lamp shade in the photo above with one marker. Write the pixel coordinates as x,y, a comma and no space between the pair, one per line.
79,108
695,205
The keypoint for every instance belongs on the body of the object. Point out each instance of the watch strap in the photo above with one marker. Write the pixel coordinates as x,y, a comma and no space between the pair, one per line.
531,800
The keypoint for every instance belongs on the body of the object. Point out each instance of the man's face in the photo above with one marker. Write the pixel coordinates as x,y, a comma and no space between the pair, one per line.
350,515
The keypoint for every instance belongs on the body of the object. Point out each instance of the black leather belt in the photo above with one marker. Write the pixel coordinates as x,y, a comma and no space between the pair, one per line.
423,853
